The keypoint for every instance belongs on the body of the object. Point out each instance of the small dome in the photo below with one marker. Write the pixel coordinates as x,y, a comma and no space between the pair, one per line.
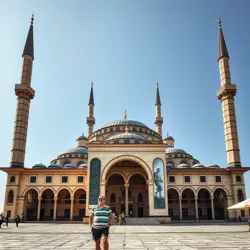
170,165
126,136
84,165
169,138
40,165
124,123
213,166
54,166
82,137
69,166
183,165
198,165
171,150
81,150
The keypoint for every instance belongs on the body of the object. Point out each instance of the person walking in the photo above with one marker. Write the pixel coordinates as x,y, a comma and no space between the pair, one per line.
123,218
100,221
1,219
7,221
17,220
249,222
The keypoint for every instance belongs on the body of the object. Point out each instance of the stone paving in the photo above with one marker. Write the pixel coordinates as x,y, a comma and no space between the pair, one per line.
46,236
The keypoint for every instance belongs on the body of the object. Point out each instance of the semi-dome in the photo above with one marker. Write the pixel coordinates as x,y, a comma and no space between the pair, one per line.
82,137
69,166
54,166
126,136
198,165
171,150
170,165
40,165
183,165
213,166
84,165
124,123
80,150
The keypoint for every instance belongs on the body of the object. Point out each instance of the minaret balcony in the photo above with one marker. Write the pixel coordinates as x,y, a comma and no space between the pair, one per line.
227,90
159,120
90,120
25,91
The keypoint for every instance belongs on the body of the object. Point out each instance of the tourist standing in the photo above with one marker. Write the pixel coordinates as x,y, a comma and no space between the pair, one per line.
249,221
7,221
123,218
17,220
100,220
1,219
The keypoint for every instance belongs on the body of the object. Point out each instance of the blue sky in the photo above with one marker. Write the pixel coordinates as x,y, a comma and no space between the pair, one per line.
124,47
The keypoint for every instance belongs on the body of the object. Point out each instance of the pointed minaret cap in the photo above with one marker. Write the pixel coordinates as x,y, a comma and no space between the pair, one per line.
222,44
125,115
91,97
29,45
158,100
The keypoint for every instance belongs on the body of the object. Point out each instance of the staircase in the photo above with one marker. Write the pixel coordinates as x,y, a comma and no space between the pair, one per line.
142,221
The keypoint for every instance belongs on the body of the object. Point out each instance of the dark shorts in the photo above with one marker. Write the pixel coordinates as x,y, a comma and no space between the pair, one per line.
249,223
98,233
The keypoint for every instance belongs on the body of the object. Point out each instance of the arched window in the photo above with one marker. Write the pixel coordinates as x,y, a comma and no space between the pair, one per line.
80,163
238,178
240,195
140,197
66,162
82,199
12,179
10,196
170,164
113,198
184,162
67,199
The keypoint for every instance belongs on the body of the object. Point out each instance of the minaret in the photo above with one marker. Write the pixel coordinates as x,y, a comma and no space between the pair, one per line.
90,118
24,94
158,118
226,96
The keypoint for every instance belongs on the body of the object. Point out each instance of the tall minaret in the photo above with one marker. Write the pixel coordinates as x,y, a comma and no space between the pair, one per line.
158,118
24,94
226,96
90,118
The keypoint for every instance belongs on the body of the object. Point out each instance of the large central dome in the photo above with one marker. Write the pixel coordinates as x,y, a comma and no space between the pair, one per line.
124,123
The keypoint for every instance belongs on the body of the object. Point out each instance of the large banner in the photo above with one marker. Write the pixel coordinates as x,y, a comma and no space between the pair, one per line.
159,183
94,181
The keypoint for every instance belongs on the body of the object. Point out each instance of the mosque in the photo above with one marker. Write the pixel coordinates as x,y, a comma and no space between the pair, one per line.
139,171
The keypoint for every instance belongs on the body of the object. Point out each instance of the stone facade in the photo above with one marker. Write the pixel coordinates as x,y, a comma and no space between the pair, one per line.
137,170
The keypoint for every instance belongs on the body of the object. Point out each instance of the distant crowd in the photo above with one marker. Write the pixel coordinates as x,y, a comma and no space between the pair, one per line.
5,219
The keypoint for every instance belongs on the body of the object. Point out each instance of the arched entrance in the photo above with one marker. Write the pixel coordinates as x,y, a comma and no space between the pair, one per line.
188,204
31,204
204,205
63,205
126,189
173,204
79,204
220,204
47,205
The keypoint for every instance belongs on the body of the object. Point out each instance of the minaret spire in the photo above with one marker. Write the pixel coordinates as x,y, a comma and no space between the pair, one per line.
90,118
226,95
24,94
29,45
222,44
158,119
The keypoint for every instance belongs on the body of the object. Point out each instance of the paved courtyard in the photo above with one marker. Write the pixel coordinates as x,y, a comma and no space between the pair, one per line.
174,236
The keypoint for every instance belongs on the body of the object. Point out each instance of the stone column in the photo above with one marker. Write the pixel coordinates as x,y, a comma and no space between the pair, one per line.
55,208
212,207
150,196
196,208
180,206
39,208
126,185
71,207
